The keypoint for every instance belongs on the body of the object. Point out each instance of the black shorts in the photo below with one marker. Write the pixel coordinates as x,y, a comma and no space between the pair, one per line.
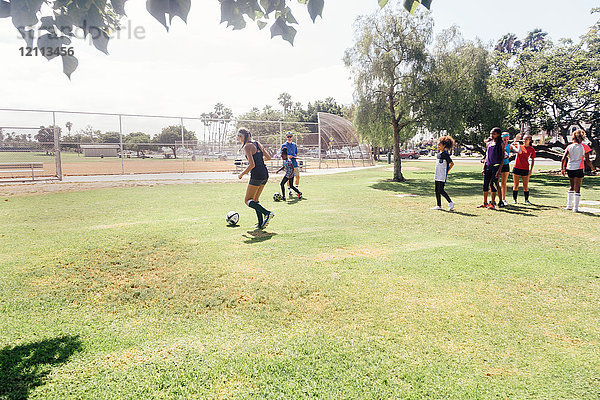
258,182
522,172
505,168
575,173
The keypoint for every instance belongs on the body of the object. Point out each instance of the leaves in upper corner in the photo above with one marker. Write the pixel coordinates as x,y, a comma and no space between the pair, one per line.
24,12
315,8
382,3
160,9
118,6
281,28
69,65
4,9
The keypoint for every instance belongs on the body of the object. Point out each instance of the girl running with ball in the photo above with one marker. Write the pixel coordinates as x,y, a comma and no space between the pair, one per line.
289,174
259,175
577,155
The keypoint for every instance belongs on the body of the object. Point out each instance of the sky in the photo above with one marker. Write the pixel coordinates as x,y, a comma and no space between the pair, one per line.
186,71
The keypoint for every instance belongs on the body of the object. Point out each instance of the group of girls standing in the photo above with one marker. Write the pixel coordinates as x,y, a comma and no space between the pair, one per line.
496,168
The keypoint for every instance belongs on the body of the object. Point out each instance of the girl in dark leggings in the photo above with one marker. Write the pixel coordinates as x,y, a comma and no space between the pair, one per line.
494,158
259,175
443,165
289,174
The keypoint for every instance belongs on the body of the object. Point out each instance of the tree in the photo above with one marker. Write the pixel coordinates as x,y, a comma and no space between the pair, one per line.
389,62
69,125
535,40
460,101
98,19
138,142
509,44
109,137
46,135
170,135
285,100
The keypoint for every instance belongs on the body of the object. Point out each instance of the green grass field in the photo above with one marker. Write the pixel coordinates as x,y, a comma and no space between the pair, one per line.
352,293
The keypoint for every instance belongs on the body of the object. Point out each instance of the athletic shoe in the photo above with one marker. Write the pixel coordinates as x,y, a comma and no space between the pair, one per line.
501,203
568,208
300,195
437,208
267,219
528,202
451,206
514,202
283,198
491,206
290,194
483,205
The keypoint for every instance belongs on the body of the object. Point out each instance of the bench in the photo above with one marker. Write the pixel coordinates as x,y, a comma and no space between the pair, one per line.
272,166
22,167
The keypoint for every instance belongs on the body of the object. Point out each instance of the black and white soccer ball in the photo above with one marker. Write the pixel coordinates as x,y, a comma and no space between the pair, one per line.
232,218
277,197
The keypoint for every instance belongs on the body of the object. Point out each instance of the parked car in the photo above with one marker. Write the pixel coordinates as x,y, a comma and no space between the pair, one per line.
410,154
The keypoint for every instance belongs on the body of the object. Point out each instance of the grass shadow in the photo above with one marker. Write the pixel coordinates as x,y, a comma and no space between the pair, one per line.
460,184
257,236
24,367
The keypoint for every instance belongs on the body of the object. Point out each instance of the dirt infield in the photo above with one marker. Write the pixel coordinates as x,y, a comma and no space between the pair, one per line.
86,167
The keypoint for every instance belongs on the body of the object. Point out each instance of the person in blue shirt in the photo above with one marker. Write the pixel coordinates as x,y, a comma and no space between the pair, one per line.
292,153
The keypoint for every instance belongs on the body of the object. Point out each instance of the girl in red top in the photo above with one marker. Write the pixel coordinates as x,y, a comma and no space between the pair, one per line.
523,169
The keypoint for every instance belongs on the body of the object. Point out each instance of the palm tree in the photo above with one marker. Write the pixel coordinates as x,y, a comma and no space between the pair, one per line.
535,40
285,99
509,44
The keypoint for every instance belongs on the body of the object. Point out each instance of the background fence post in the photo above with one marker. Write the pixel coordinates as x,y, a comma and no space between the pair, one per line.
121,144
182,146
57,157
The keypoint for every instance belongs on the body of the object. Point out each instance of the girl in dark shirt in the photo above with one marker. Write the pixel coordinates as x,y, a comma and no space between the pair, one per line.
259,175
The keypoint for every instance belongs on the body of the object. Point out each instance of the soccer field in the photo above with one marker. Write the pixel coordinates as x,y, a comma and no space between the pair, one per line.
351,293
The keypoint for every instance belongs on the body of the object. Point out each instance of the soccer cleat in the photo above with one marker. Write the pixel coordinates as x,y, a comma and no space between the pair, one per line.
268,218
451,206
491,206
437,208
483,205
514,202
528,202
501,203
300,195
290,193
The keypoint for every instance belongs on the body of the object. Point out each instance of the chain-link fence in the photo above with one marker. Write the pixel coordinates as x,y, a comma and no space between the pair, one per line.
101,143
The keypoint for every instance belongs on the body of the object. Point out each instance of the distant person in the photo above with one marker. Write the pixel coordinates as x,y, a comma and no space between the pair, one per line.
259,175
523,168
505,171
289,174
494,158
292,151
443,165
576,156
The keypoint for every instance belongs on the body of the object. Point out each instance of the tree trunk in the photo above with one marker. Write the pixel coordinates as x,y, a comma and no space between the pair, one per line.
398,177
174,152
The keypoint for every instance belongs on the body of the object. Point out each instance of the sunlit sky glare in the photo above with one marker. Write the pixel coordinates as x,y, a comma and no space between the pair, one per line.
192,67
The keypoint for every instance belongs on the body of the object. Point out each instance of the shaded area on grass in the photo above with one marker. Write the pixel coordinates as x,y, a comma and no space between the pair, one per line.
462,184
257,236
22,368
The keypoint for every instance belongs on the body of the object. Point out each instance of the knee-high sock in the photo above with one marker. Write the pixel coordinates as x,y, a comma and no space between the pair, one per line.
515,194
576,202
256,205
526,195
570,195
